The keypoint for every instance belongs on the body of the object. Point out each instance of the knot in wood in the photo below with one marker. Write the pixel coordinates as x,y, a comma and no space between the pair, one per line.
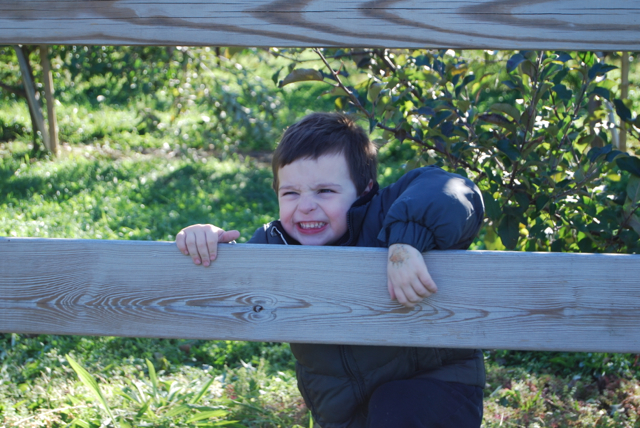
257,308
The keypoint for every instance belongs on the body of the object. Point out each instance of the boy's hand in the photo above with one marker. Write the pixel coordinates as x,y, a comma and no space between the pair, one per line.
408,279
201,241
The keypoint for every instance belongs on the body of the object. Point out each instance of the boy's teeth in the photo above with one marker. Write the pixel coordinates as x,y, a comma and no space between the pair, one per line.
314,225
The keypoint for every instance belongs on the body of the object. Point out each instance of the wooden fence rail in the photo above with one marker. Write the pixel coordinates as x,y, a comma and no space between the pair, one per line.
505,300
613,25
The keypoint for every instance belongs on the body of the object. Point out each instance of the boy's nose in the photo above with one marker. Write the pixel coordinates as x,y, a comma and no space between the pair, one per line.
307,204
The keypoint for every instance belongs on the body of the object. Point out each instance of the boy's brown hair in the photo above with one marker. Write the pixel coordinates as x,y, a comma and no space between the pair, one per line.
324,134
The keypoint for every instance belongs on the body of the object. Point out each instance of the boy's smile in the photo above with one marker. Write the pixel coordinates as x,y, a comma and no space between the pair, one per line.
314,197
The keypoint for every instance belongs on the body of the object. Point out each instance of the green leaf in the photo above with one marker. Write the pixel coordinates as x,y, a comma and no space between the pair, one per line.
177,410
523,201
374,91
613,155
558,245
514,62
499,120
467,79
542,91
152,376
144,408
633,190
438,118
426,111
630,164
275,75
541,201
586,245
596,152
602,92
302,75
509,149
622,110
491,206
423,60
528,68
563,56
207,415
90,383
600,69
491,239
509,84
123,394
525,118
202,391
562,92
509,231
507,109
372,124
634,222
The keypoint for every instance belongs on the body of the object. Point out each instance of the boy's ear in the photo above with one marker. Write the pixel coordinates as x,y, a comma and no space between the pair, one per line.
368,188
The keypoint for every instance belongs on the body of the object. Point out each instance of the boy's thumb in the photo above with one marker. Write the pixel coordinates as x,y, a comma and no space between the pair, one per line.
228,236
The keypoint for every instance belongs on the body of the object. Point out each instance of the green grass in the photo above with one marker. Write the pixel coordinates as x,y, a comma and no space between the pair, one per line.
88,194
145,382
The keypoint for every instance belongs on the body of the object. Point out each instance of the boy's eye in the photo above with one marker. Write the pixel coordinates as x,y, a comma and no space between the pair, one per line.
289,193
325,191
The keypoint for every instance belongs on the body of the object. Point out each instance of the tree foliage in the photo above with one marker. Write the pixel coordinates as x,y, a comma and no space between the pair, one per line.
532,129
197,94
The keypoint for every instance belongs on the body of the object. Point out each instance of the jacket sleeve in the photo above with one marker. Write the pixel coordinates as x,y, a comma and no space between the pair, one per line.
429,208
259,236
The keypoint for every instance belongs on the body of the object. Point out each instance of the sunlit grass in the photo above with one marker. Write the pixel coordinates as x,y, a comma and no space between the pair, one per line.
89,194
145,382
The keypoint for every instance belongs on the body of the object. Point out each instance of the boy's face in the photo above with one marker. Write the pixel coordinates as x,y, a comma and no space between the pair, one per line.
314,197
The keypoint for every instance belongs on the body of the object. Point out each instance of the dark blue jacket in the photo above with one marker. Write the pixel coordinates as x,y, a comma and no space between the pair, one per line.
428,209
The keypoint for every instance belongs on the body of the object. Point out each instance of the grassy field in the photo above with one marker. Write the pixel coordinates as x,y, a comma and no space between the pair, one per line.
145,169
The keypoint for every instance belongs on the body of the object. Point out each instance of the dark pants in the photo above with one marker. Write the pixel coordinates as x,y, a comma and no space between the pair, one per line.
425,403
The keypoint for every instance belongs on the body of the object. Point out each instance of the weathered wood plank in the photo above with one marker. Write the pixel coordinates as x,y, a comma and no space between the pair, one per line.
506,300
479,24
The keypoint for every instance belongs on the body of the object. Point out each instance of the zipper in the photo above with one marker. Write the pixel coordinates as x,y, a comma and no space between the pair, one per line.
348,243
275,229
351,373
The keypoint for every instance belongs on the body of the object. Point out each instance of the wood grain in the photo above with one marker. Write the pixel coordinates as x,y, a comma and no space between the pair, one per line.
505,300
479,24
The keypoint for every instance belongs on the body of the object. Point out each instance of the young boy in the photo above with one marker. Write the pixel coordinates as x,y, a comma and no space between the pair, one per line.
324,173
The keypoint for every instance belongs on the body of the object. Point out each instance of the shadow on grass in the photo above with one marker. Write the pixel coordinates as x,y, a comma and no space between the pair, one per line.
32,354
151,199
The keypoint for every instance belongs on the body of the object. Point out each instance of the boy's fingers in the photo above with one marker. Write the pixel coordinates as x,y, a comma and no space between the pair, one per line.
202,243
427,281
410,293
180,242
392,293
400,296
211,239
228,236
403,299
192,247
420,290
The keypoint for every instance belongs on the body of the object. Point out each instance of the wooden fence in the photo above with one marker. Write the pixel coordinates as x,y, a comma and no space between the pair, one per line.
478,24
505,300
